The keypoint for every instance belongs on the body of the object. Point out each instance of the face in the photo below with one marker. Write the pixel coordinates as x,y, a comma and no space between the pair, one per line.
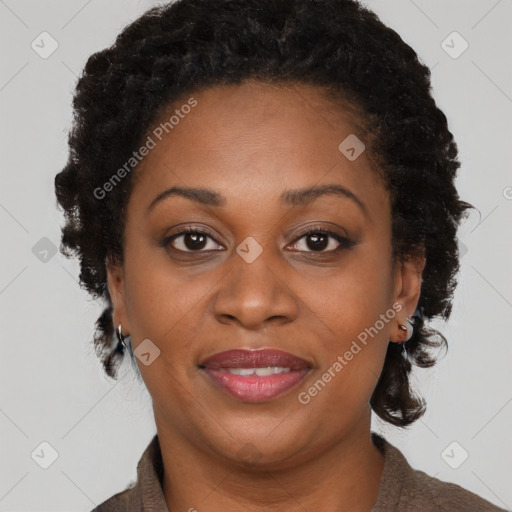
249,276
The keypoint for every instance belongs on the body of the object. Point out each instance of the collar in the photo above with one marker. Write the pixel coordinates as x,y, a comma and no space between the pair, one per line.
149,496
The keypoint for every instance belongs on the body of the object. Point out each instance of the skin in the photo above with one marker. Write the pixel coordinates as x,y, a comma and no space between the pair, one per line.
251,142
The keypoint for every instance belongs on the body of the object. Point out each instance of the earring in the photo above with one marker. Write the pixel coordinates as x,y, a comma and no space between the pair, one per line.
410,329
120,339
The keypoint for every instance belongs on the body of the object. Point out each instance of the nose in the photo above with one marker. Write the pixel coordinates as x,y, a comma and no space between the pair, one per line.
255,295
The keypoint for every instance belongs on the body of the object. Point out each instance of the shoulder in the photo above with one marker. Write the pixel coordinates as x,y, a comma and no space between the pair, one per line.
447,496
121,502
145,493
404,488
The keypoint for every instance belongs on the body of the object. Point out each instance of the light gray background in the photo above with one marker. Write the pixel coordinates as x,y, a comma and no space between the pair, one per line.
53,388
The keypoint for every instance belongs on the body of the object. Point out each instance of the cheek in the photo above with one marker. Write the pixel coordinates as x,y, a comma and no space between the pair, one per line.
355,309
162,304
352,298
165,308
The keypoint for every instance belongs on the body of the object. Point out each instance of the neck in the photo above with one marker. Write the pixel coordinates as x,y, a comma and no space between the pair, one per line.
344,477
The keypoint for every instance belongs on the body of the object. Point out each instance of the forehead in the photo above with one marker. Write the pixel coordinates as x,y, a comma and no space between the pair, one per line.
256,138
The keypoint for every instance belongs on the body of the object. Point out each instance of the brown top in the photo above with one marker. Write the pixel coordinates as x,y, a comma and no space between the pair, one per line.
402,488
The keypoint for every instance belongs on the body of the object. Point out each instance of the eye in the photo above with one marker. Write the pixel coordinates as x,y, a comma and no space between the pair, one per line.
191,240
318,240
314,240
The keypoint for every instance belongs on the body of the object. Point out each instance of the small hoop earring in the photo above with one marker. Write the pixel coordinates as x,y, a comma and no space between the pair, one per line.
120,338
410,330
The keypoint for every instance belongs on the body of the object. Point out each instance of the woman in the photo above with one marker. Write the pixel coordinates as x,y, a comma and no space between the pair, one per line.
263,194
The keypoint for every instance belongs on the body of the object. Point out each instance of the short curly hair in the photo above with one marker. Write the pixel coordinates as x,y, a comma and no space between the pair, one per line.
339,46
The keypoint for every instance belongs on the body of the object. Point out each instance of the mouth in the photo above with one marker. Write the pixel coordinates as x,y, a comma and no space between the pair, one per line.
255,375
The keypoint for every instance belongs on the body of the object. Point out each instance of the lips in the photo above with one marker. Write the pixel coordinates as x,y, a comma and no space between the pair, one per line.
255,375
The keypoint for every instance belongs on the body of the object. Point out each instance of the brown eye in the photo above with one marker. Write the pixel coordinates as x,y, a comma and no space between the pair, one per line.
191,241
316,240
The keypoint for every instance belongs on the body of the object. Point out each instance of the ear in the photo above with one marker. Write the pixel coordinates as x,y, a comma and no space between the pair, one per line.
116,289
408,279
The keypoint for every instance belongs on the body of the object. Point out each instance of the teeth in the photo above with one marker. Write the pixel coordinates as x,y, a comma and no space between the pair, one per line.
260,372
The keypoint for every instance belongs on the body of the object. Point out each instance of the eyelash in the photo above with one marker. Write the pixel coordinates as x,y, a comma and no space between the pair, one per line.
344,242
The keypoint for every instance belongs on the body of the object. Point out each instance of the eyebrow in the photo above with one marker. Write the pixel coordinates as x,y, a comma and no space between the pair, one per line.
296,197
